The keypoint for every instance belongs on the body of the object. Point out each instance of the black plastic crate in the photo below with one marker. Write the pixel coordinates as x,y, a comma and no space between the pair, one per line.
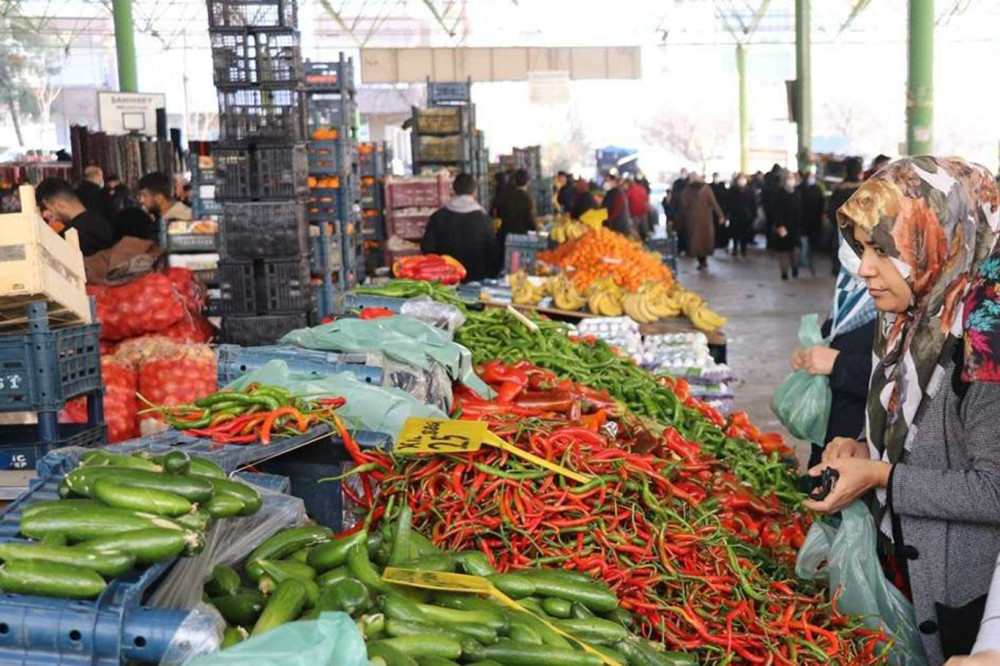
191,243
261,172
235,288
257,331
224,14
256,115
267,59
255,230
20,448
284,286
371,162
331,77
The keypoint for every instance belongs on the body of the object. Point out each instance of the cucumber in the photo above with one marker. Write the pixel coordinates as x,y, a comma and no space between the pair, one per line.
233,636
54,540
593,630
110,563
474,563
557,607
81,524
522,633
332,576
381,654
285,543
300,556
101,458
549,636
449,616
48,579
444,563
510,653
348,595
596,597
285,605
332,554
250,497
361,568
63,490
148,546
36,508
579,611
224,581
278,572
140,499
436,661
241,609
642,653
202,467
176,462
191,488
397,628
425,645
268,585
197,520
224,506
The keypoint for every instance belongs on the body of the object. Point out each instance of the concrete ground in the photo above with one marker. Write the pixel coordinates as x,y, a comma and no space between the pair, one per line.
763,313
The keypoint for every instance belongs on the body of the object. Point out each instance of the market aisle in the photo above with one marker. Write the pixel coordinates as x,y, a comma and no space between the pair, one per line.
763,315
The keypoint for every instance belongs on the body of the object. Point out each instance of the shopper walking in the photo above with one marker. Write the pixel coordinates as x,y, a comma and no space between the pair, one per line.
784,221
741,209
501,181
925,229
841,193
565,192
616,202
699,215
463,230
516,208
673,214
812,201
638,207
719,190
848,360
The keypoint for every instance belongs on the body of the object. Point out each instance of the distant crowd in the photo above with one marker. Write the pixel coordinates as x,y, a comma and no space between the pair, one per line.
793,211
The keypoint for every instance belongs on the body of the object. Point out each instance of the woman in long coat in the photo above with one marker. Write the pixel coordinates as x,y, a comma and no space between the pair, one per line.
699,213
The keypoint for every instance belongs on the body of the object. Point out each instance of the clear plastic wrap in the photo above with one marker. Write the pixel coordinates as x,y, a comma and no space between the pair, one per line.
442,316
228,541
430,385
200,633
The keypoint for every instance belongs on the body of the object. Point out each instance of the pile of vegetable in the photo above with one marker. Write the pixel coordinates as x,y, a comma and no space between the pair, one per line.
413,289
118,512
429,268
304,571
756,457
701,563
257,413
603,253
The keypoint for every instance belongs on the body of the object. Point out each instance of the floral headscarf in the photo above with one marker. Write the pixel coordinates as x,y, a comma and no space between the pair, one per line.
937,219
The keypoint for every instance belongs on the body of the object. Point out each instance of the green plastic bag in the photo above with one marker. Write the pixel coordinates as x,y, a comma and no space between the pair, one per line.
405,339
802,401
846,557
368,407
332,640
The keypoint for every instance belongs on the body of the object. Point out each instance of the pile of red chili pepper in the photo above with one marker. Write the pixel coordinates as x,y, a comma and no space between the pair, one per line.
430,268
257,413
702,563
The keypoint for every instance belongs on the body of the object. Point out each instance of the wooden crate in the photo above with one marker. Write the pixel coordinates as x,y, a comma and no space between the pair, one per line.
36,264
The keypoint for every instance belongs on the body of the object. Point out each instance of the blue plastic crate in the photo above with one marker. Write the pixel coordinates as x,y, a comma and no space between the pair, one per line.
235,361
42,369
520,251
19,448
325,255
331,157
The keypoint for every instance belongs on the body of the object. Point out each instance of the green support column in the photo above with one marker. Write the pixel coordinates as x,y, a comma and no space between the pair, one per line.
125,45
741,73
920,84
803,87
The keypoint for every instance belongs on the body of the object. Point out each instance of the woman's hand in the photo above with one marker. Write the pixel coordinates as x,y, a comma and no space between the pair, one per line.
857,476
988,658
845,447
815,360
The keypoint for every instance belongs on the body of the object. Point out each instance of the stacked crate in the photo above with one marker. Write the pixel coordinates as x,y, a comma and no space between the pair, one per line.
409,203
373,160
334,183
260,170
530,159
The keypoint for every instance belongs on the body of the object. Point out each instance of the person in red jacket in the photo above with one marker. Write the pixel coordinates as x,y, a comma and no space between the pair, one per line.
638,205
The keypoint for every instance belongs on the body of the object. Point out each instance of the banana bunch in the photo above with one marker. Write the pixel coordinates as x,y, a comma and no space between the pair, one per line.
606,299
568,231
564,294
663,299
523,291
696,309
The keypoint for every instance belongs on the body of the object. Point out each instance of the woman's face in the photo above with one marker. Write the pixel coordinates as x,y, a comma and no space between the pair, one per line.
887,286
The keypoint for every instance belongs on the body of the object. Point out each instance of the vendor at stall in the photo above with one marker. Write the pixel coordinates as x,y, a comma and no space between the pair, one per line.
463,230
63,210
925,229
156,194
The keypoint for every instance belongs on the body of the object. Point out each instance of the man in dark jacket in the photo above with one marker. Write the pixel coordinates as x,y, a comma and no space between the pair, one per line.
674,205
583,199
63,206
516,208
92,194
463,230
741,209
619,218
841,193
566,194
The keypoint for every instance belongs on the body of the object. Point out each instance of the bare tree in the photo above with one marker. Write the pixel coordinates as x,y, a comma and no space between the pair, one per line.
697,138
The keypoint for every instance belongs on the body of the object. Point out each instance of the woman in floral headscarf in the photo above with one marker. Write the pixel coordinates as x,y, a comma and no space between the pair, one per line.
925,229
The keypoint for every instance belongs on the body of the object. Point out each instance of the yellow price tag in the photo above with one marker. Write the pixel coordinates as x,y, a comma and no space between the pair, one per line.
453,582
429,436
